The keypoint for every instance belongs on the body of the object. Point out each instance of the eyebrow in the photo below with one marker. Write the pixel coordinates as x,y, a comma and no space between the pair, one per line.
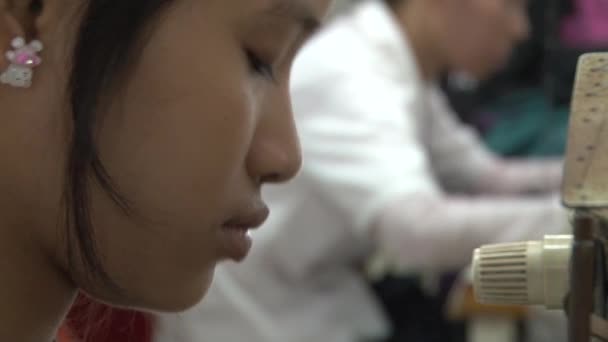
297,10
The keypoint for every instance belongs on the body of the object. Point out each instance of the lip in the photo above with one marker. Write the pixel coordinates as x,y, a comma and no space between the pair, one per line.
234,233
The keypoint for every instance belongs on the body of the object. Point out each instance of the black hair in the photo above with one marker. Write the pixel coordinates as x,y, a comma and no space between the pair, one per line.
107,42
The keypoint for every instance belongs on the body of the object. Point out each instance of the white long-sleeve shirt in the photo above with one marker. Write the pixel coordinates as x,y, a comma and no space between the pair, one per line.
387,170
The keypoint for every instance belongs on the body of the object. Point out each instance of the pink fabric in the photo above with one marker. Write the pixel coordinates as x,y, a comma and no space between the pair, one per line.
588,25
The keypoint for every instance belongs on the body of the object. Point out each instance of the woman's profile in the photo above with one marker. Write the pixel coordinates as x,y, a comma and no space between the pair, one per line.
135,138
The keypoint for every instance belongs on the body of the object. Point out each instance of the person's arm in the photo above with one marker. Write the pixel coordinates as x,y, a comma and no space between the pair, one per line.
362,150
440,233
464,163
509,177
360,142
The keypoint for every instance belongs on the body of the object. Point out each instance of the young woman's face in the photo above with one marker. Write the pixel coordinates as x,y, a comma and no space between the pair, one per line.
201,123
479,35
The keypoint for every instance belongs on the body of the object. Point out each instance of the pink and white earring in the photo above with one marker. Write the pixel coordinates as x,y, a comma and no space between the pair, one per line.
23,59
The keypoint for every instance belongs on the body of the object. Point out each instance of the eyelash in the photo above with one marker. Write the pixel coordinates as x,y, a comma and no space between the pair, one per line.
258,66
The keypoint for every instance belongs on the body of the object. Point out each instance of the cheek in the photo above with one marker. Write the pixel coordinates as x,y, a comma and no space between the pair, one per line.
175,159
478,26
175,143
183,149
493,30
477,44
181,134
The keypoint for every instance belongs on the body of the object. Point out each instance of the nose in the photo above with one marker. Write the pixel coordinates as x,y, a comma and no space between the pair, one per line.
275,155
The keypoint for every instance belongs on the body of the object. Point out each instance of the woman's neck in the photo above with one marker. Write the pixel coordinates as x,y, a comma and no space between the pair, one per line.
35,294
428,57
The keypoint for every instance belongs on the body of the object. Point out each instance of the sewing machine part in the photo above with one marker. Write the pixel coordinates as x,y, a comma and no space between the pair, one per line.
525,273
585,189
575,267
586,169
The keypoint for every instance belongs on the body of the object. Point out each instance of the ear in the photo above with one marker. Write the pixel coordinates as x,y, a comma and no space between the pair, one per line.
30,19
13,23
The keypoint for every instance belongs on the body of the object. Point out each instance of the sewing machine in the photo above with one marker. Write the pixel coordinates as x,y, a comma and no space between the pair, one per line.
566,272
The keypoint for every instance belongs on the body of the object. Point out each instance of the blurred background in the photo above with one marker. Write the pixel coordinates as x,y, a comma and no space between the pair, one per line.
522,111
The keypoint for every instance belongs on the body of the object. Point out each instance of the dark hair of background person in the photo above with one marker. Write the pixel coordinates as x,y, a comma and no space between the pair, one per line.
393,3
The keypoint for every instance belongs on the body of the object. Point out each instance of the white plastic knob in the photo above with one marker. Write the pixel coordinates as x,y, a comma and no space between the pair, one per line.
526,273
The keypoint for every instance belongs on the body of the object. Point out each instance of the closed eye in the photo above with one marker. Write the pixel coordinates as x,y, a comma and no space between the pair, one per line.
258,66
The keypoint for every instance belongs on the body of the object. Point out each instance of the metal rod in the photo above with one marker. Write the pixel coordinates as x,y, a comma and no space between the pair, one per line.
580,305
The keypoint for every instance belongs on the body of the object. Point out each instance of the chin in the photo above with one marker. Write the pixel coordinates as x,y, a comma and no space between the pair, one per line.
484,71
173,298
185,297
482,74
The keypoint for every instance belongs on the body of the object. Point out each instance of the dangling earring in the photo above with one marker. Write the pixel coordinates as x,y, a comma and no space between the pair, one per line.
23,58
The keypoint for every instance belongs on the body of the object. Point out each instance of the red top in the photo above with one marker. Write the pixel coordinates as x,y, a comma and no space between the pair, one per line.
90,321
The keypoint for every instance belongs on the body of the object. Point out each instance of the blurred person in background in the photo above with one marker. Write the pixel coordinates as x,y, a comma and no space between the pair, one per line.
389,174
